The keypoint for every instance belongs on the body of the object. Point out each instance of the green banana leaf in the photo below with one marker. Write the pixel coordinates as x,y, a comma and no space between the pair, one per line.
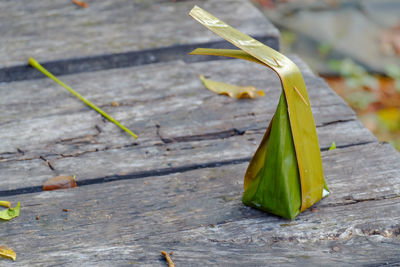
285,176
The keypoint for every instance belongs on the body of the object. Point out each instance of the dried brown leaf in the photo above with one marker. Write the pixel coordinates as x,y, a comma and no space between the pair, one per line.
59,182
231,90
80,3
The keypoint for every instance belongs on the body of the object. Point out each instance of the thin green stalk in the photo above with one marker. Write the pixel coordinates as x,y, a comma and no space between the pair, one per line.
39,67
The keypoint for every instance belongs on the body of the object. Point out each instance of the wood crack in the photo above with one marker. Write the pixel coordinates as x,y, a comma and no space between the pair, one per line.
48,163
235,132
76,154
262,129
209,136
350,200
336,122
200,137
85,139
386,264
350,145
163,172
67,155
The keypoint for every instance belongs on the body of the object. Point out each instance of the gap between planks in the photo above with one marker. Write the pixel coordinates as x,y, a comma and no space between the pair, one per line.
158,172
121,60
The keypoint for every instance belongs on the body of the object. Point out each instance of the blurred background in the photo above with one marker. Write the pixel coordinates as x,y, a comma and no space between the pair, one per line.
355,46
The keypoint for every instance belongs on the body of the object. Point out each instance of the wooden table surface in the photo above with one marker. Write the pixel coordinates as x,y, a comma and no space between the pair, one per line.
178,187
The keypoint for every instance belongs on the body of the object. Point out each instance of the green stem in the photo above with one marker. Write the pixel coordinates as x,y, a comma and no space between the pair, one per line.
39,67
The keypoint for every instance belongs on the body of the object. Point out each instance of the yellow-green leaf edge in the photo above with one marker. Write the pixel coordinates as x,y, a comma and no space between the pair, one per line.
301,119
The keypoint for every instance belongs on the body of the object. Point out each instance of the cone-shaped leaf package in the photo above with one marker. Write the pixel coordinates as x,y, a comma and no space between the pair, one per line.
274,185
285,175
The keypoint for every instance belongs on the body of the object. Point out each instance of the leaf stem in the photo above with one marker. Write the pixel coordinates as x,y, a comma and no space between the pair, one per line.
5,203
39,67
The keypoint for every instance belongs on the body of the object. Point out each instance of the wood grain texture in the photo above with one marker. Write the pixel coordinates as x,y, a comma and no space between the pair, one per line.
169,95
178,121
57,30
178,187
133,159
198,215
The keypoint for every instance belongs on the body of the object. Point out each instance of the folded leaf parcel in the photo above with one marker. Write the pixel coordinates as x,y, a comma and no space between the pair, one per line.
285,175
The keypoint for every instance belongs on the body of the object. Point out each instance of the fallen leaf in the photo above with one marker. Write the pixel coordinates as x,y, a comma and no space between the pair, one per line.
333,146
5,203
59,182
231,90
10,213
7,252
80,3
114,104
168,259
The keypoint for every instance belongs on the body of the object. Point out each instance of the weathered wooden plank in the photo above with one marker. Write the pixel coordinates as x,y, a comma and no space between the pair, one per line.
168,95
17,174
179,122
198,215
58,31
181,205
90,165
152,83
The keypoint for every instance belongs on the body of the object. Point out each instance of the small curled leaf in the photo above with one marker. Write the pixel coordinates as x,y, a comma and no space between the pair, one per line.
7,252
59,182
333,146
231,90
10,213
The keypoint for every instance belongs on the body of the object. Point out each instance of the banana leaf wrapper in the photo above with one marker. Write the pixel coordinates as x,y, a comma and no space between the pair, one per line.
285,175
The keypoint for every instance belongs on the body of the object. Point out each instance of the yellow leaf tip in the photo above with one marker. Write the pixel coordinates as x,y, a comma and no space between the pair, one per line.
131,133
193,9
